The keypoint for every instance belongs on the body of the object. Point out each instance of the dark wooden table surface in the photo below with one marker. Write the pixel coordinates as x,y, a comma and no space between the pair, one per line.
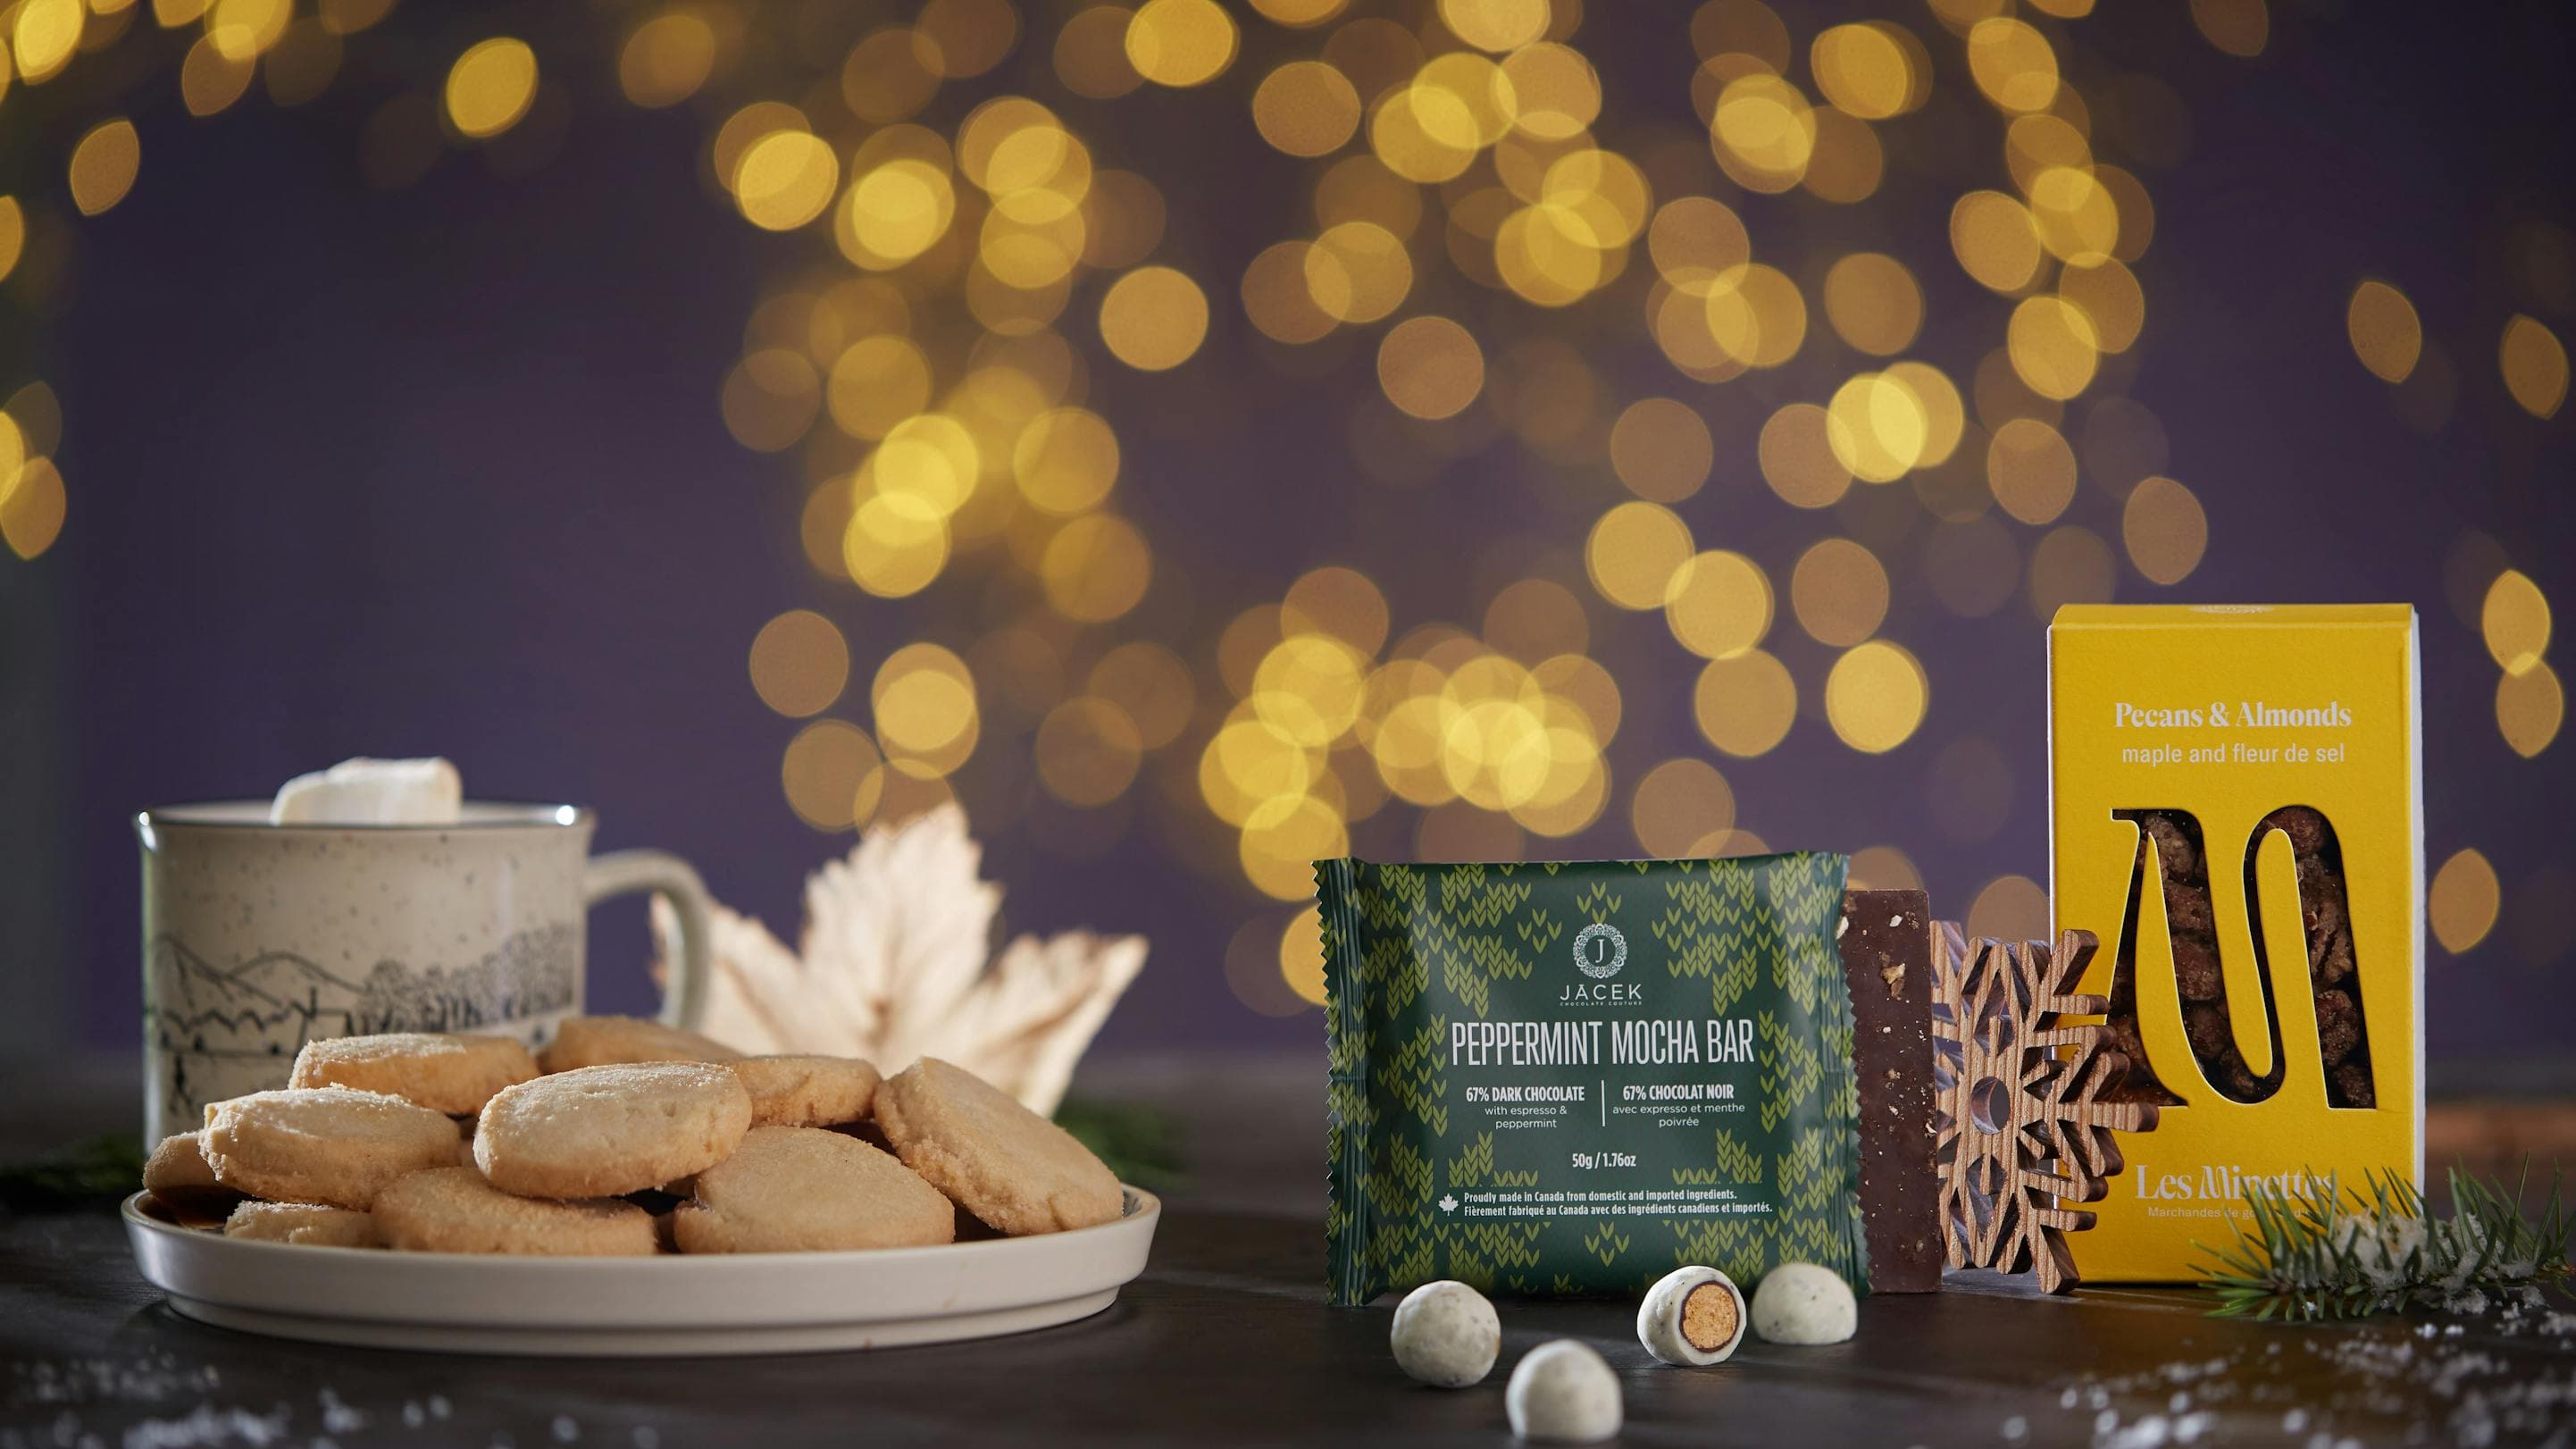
1226,1340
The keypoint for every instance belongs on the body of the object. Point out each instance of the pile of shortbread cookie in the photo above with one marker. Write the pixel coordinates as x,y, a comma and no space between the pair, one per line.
622,1136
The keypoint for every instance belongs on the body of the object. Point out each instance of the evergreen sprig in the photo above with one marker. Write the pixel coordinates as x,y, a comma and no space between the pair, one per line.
2315,1250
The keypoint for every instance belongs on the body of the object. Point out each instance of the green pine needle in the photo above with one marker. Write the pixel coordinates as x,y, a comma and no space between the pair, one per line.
2314,1250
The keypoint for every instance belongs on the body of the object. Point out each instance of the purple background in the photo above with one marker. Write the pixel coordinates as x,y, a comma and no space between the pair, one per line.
441,470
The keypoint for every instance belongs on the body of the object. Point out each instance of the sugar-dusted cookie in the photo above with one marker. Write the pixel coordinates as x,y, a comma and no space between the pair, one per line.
805,1190
305,1224
453,1210
806,1091
1002,1162
443,1072
336,1146
599,1041
601,1131
178,1175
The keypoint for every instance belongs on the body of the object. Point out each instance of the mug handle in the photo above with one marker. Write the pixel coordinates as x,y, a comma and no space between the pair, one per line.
623,872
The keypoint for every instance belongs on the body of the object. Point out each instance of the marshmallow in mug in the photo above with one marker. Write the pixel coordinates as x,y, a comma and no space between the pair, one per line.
372,792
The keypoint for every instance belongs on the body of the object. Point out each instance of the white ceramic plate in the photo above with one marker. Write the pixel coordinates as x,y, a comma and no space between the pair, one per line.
718,1304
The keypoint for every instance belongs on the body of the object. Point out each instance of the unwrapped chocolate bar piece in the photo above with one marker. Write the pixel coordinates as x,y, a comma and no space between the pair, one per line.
1887,960
1569,1078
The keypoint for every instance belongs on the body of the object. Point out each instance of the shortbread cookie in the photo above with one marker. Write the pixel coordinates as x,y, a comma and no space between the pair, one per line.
602,1131
453,1210
805,1190
308,1225
807,1091
599,1041
445,1073
331,1145
1002,1162
178,1175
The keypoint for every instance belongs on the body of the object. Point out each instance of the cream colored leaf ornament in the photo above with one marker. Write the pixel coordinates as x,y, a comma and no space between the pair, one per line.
895,965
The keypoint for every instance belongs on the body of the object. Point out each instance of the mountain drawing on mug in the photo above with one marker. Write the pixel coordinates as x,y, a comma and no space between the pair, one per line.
222,1031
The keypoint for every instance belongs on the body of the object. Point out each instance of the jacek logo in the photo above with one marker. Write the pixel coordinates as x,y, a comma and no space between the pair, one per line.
1599,950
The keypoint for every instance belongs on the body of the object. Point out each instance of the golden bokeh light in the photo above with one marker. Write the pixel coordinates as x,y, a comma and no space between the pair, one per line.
1065,460
1301,956
799,663
2009,908
895,545
31,515
44,36
1868,70
491,87
103,165
1873,303
210,80
666,59
925,708
1338,601
969,37
2534,364
1306,108
1181,42
1430,367
785,179
1153,318
2031,469
1720,605
2464,901
2013,64
1763,132
1878,429
2164,529
1496,25
1661,449
1745,703
1839,592
13,234
1633,552
2238,27
2514,620
1682,810
1798,458
876,383
1096,568
1357,271
1087,751
829,775
2529,707
1876,696
1091,53
1996,241
1884,868
890,75
2108,295
2053,346
894,212
2071,565
1282,840
2385,333
770,399
1151,685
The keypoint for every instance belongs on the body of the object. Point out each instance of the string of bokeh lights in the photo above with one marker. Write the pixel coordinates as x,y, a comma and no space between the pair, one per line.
1481,222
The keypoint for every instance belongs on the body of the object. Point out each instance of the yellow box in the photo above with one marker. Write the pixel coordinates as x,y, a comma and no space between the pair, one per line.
2176,731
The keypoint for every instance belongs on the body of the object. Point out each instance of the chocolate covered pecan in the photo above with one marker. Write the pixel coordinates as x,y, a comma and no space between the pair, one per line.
2177,848
2349,1085
2195,961
2338,1024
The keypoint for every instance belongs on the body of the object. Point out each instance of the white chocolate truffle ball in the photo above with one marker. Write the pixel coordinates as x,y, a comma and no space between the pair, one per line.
1804,1303
1563,1393
1446,1334
1693,1318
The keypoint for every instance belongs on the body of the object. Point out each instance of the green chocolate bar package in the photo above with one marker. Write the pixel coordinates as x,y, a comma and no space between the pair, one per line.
1559,1079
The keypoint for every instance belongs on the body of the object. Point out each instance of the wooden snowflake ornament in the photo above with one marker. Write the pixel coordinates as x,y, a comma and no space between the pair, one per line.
2022,1128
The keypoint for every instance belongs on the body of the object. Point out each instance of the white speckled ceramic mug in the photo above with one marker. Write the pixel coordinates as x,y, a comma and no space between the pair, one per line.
258,938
